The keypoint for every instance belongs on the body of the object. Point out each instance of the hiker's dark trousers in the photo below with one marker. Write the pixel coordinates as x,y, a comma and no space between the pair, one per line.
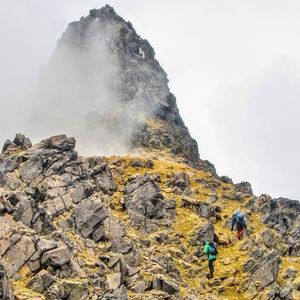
211,266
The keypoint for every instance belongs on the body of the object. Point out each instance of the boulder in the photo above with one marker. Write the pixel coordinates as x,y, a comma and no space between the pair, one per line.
111,230
56,257
114,280
223,239
181,180
6,290
202,208
45,245
226,179
60,142
16,256
31,168
263,268
20,142
268,237
40,282
290,272
143,196
285,292
98,170
144,202
205,232
9,164
244,187
77,291
89,215
80,191
25,209
163,284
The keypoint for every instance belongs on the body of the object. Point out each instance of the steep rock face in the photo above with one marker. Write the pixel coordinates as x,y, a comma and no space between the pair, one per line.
137,110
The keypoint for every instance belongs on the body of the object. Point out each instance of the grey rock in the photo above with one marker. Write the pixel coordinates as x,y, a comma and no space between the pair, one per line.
15,258
226,179
31,169
268,237
89,215
143,200
77,290
60,142
122,293
80,191
165,285
20,142
52,293
285,292
244,187
204,232
8,147
181,180
45,245
202,208
263,268
9,164
56,257
114,280
111,230
6,290
138,287
290,272
40,282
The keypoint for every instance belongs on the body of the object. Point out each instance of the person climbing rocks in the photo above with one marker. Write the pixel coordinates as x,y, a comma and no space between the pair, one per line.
211,249
238,218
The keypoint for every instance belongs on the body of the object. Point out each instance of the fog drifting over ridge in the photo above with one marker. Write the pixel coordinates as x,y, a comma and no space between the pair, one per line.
234,68
75,92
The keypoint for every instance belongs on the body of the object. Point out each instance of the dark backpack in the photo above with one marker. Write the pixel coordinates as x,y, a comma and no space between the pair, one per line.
213,248
240,218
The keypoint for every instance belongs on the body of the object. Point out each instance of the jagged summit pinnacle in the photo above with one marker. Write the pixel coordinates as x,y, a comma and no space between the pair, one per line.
127,89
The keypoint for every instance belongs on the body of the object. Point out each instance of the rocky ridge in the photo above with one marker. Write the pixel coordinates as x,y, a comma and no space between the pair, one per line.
132,228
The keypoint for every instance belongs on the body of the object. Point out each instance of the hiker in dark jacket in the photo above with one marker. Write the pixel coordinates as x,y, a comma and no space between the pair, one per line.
238,218
210,248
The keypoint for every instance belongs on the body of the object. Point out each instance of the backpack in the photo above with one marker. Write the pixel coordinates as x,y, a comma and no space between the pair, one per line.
213,248
240,218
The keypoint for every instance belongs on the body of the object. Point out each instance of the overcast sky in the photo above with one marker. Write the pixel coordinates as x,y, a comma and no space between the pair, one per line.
234,67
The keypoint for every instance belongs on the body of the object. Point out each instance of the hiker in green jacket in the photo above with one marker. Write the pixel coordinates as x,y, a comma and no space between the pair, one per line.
210,248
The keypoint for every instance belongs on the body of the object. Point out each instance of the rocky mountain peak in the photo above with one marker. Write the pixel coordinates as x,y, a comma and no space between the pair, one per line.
104,69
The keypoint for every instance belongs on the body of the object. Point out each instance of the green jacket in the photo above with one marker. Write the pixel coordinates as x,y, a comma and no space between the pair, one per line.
206,251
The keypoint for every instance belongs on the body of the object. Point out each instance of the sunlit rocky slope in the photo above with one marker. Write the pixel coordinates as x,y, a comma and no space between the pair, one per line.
133,227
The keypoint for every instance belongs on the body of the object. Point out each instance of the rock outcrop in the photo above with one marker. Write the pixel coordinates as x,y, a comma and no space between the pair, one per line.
124,228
